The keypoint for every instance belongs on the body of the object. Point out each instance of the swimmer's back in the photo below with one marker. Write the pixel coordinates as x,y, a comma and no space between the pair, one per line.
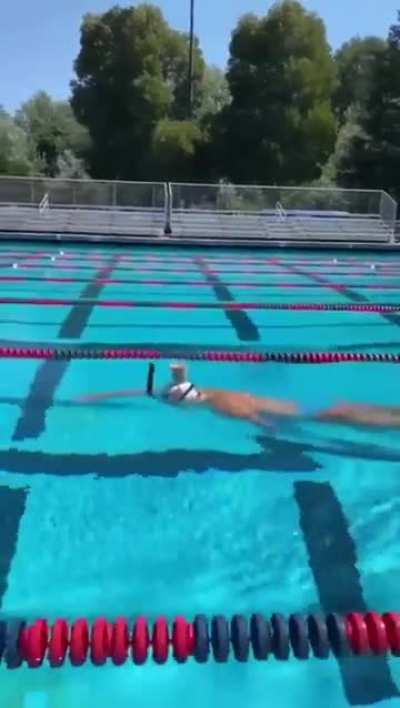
245,405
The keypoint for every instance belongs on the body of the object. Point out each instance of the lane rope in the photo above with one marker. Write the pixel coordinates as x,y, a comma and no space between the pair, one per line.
297,636
342,262
254,357
250,285
182,305
221,272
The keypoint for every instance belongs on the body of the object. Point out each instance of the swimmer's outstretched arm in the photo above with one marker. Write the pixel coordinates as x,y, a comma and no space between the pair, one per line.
178,374
127,393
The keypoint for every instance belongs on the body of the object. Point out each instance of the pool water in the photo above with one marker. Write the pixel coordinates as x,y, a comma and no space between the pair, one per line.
126,507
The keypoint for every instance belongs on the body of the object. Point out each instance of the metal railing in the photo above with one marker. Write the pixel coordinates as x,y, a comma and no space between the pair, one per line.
44,204
168,209
280,212
388,212
195,210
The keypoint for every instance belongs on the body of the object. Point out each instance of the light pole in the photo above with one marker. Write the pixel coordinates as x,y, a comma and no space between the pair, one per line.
190,74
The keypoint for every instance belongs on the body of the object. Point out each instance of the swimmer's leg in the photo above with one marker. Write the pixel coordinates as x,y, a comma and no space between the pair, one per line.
359,414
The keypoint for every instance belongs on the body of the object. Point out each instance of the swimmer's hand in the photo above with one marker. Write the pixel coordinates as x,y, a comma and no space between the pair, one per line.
127,393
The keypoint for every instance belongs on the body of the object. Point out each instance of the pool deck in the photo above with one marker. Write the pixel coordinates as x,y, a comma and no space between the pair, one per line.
234,242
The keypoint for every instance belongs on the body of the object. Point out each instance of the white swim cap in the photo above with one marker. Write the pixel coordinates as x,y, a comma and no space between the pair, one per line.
185,391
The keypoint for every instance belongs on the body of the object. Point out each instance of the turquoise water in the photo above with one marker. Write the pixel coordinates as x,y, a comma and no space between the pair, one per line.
127,507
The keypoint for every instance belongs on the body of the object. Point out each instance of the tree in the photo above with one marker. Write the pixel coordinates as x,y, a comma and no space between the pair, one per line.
174,148
131,74
280,125
351,138
15,156
69,166
355,62
370,156
175,73
51,129
213,93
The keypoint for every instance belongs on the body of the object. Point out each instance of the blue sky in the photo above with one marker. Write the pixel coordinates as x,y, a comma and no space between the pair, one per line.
39,39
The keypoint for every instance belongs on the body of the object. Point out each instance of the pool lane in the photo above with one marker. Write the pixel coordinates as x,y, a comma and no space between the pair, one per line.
200,278
165,457
48,377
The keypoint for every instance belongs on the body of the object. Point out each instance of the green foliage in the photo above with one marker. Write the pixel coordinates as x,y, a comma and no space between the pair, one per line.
174,148
175,73
132,73
368,147
69,166
51,128
355,63
281,76
213,93
15,155
351,137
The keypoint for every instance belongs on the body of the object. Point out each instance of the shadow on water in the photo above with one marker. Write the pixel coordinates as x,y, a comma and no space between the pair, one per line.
277,455
332,557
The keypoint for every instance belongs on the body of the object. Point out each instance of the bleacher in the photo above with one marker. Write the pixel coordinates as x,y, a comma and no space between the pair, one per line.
83,221
260,227
213,214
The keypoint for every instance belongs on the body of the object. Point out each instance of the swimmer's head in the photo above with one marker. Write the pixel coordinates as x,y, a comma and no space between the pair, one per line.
179,372
180,389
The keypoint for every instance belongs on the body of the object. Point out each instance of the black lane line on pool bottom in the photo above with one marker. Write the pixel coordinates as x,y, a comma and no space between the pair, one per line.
333,562
12,507
347,292
274,457
243,325
279,456
49,375
366,680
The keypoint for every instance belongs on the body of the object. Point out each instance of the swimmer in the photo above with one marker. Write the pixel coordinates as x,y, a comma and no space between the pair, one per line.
260,410
229,403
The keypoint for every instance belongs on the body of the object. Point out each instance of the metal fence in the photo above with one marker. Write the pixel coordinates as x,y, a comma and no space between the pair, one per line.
244,198
29,191
86,207
284,213
194,210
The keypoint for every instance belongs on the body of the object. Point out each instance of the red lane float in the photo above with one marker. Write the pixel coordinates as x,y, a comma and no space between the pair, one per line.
58,644
119,642
298,636
181,305
140,642
79,642
250,357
